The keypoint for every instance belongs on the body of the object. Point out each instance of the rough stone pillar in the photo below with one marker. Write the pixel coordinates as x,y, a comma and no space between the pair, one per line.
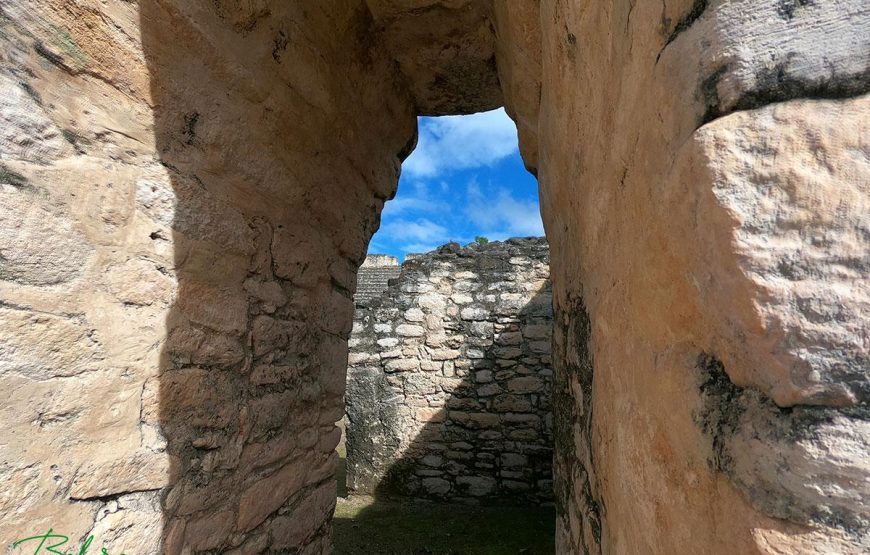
704,177
186,190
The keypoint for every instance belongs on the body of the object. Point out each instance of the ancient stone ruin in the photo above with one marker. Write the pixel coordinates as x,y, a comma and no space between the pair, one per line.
188,187
374,276
450,374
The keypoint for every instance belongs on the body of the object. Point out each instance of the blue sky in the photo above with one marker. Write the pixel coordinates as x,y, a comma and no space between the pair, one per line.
464,179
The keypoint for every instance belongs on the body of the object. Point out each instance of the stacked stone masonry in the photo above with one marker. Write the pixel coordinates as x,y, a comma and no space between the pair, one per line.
374,275
188,187
450,374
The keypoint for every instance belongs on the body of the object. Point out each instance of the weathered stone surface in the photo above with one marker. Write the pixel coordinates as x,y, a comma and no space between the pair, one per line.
703,169
401,409
452,67
687,229
306,519
267,495
163,280
141,471
476,486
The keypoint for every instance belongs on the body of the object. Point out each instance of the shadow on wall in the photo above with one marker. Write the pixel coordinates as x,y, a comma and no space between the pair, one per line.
452,402
266,231
449,407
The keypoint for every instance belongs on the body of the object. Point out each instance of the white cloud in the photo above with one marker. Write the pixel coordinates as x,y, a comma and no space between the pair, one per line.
461,142
502,214
404,205
422,230
420,247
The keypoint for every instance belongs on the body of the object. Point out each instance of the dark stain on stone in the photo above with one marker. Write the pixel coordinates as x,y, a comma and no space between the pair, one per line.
31,92
709,94
279,45
787,8
51,57
776,83
573,361
189,130
74,139
719,416
14,178
243,23
697,10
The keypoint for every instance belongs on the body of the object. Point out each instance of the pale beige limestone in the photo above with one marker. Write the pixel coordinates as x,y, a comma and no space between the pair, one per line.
150,151
640,208
140,239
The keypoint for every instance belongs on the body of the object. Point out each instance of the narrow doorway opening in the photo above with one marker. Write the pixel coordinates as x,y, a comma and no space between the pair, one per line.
448,428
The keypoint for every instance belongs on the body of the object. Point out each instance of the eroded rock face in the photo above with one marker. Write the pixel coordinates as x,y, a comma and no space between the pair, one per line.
684,230
445,49
188,187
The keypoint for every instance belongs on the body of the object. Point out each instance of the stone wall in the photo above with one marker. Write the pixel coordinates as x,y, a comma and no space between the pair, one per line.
188,187
374,275
448,392
185,196
705,179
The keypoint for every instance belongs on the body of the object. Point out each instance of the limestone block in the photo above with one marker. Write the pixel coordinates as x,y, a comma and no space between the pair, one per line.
40,243
401,365
414,315
140,282
426,414
509,460
265,496
268,334
431,366
474,420
189,396
488,390
802,248
130,522
388,342
508,352
267,291
42,346
420,384
476,486
218,308
474,354
436,486
381,327
509,338
265,374
297,256
444,354
526,384
210,531
410,330
292,530
433,303
129,472
473,313
511,403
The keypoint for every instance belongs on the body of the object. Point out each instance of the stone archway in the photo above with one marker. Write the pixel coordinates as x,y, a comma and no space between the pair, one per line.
188,188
